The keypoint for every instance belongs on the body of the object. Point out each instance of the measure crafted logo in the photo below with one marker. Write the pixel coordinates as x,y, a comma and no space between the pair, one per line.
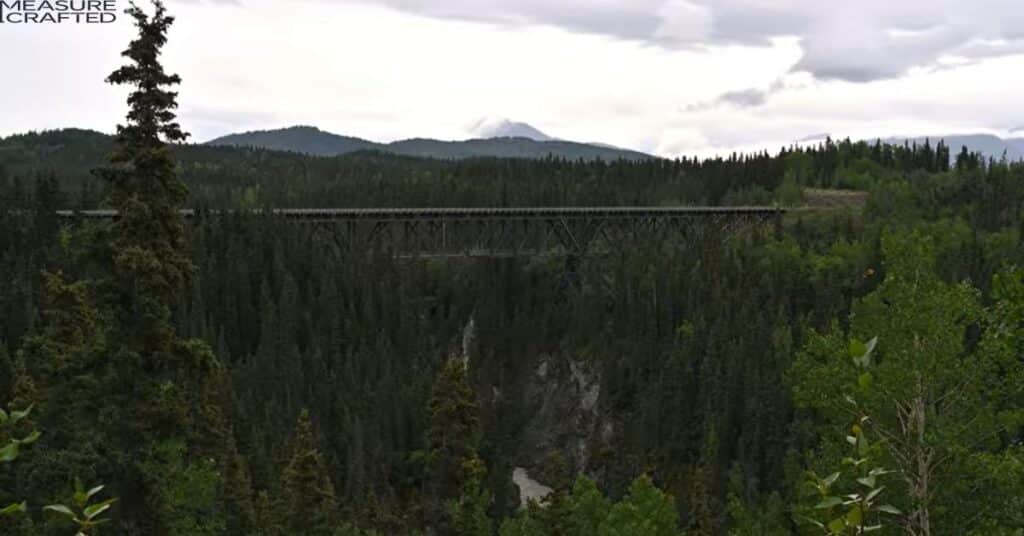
58,11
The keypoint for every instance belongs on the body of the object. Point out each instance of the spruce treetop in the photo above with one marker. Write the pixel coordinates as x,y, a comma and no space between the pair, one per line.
145,249
151,105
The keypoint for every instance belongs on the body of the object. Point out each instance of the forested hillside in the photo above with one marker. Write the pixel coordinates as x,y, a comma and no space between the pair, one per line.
850,368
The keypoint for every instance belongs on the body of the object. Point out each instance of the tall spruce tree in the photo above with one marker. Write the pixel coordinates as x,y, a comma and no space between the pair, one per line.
119,386
144,250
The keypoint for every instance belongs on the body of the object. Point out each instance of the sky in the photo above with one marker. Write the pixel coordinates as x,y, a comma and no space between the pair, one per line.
670,77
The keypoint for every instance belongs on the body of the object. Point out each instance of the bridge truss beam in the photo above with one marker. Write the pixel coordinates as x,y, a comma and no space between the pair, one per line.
504,232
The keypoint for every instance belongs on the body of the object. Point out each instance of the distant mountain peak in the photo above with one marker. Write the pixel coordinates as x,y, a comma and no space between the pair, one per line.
988,145
300,138
499,127
300,128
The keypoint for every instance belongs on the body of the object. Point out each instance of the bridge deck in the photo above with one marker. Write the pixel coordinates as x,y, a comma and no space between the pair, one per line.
457,213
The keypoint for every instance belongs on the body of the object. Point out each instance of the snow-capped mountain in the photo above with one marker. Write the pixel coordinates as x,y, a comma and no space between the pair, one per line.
497,127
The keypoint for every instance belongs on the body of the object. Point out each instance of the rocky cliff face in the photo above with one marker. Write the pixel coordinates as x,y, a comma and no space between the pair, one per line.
535,408
558,401
561,398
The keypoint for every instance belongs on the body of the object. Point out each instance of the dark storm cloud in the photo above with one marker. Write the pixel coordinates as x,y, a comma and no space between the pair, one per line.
854,41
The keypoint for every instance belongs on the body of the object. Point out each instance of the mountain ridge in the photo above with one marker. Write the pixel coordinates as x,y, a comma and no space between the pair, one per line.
989,145
314,141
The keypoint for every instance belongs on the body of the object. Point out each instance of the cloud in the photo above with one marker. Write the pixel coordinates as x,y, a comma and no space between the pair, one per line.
973,98
742,98
593,70
682,21
852,41
746,98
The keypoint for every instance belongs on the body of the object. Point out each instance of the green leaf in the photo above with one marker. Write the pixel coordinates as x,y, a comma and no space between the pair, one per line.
874,493
80,498
870,347
831,479
857,350
3,416
31,438
9,452
864,380
828,502
854,516
890,509
869,481
19,415
16,508
837,525
60,509
94,491
862,445
97,509
861,353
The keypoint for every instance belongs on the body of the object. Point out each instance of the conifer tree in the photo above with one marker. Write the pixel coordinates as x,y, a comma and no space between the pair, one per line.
702,516
119,387
590,507
144,249
454,470
237,496
557,511
308,503
468,512
268,522
524,525
647,510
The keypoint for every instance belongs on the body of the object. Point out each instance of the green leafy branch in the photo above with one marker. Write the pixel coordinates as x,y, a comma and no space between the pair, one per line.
81,511
10,450
853,511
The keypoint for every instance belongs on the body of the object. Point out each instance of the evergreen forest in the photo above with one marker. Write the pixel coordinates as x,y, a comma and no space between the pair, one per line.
856,367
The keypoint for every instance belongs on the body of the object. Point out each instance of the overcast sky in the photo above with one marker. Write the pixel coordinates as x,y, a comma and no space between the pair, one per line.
665,76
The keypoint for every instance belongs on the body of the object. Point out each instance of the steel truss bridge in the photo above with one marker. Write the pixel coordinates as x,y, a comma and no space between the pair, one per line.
501,232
